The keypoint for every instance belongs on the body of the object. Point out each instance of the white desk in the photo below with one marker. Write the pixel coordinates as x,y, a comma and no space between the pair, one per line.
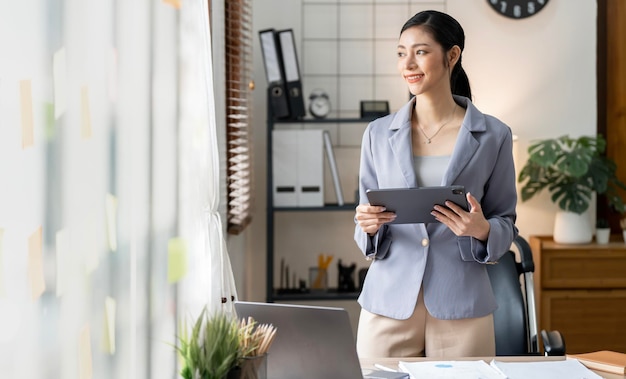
393,362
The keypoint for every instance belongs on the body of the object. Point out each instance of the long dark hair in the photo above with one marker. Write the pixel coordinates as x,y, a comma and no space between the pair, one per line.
447,32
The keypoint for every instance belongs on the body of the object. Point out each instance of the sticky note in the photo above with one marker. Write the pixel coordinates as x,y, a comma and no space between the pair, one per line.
176,259
108,333
2,293
63,261
48,111
111,221
35,264
84,354
174,3
26,108
59,73
85,128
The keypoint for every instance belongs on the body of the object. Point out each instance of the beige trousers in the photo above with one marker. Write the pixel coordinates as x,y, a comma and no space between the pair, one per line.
422,335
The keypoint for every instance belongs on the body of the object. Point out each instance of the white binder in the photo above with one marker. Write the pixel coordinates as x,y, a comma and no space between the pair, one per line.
310,168
284,167
298,168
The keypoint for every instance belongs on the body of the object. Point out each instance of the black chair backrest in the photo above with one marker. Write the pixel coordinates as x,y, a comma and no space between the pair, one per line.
510,319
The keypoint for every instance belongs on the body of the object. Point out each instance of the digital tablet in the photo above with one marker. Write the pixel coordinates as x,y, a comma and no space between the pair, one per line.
413,205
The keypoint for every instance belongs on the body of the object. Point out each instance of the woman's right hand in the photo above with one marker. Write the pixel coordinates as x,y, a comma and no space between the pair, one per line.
372,217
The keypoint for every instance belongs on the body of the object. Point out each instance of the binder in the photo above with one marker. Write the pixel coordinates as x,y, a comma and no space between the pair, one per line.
310,168
298,168
292,73
284,167
276,92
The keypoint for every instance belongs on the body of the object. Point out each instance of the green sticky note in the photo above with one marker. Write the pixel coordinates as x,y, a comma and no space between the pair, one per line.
48,114
176,259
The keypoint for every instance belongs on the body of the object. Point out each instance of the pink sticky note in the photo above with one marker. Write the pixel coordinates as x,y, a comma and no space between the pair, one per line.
35,264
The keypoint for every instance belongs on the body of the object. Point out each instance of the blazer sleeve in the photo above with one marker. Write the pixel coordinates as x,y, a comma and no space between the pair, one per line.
376,246
498,204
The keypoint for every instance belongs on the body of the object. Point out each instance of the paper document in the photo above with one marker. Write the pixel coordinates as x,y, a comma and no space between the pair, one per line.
566,369
450,369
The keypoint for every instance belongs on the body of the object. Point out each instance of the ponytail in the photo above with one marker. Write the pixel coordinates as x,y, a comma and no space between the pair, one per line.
459,82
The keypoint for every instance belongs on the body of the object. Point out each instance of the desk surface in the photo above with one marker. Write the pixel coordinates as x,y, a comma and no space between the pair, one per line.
368,363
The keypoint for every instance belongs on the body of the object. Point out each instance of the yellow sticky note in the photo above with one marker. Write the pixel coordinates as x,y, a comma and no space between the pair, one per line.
174,3
63,261
35,264
59,75
85,129
84,354
176,259
108,333
26,108
1,266
111,222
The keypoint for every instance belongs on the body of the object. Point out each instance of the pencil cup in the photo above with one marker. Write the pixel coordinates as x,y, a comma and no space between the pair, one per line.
318,279
250,368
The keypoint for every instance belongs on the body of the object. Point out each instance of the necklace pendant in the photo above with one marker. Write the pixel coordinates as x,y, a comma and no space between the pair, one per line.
428,140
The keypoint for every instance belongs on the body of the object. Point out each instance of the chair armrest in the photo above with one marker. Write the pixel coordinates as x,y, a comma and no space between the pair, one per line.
553,343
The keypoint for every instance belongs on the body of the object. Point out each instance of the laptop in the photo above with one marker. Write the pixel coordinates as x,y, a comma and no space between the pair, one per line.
311,342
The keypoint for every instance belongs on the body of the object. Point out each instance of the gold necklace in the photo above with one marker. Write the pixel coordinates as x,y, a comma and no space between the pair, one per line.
428,139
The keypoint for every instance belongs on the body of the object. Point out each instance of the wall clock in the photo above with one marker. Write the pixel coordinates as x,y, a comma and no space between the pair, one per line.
517,9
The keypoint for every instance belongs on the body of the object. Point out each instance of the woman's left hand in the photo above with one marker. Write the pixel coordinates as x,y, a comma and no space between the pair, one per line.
462,223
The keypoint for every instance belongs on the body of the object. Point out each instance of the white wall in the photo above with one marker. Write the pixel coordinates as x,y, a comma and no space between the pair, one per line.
538,75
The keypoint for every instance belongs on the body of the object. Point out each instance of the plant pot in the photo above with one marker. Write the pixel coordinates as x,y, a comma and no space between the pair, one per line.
603,235
572,228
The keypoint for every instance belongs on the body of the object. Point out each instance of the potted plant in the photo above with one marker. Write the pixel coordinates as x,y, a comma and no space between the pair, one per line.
603,231
220,347
572,169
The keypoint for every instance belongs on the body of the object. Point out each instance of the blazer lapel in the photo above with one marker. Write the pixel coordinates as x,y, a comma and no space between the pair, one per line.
401,145
466,144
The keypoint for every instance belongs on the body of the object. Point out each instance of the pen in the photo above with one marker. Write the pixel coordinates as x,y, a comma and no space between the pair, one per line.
384,368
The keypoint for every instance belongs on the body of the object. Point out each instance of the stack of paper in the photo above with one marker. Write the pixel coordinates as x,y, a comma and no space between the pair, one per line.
450,369
564,369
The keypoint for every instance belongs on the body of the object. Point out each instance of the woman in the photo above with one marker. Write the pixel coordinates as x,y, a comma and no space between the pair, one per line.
427,292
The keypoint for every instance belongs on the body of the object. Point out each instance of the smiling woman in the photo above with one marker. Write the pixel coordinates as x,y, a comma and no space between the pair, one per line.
427,292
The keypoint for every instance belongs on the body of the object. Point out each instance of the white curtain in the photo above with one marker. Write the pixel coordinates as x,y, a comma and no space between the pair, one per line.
209,281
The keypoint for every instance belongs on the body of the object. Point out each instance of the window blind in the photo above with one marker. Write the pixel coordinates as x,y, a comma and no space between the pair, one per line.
238,16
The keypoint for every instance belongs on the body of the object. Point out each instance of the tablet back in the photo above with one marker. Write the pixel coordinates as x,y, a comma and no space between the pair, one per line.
413,205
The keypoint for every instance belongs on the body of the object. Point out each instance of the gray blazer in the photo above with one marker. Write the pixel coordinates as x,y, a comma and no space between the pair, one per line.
405,257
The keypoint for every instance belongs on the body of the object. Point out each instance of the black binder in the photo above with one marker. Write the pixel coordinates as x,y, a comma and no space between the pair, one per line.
292,73
274,71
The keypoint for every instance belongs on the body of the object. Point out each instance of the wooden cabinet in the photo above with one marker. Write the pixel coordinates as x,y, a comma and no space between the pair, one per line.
581,291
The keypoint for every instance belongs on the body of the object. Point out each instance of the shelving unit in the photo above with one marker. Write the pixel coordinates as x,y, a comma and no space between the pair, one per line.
272,294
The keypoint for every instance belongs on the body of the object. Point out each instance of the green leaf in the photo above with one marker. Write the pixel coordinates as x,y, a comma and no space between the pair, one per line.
572,169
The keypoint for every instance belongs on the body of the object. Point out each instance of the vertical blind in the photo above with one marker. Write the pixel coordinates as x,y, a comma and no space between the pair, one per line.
238,16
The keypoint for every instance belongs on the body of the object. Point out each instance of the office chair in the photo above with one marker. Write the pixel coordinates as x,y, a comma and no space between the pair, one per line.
515,320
